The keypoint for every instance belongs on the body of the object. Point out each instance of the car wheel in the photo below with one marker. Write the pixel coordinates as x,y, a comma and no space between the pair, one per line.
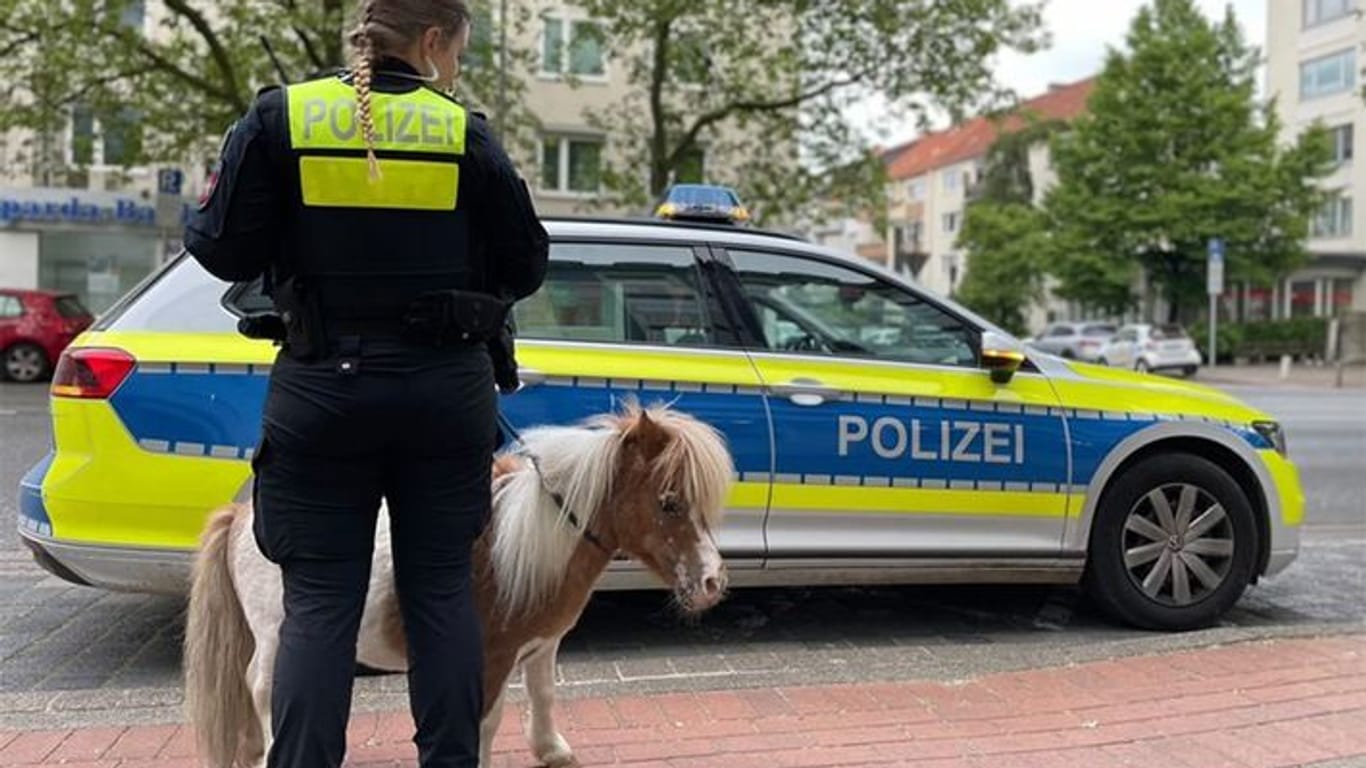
1102,361
1189,371
1173,544
1141,365
1068,354
25,363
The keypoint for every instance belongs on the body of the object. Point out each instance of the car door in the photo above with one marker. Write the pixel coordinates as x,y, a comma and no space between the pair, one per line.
618,320
889,440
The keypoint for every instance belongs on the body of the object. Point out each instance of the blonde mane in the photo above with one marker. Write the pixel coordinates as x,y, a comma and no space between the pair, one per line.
533,540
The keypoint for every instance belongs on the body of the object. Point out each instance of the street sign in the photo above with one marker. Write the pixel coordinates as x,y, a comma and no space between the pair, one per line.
170,181
1215,273
1214,284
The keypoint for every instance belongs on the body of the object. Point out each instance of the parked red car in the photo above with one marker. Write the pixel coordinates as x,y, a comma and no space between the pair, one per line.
35,326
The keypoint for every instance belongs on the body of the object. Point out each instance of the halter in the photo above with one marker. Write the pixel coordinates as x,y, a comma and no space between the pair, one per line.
520,449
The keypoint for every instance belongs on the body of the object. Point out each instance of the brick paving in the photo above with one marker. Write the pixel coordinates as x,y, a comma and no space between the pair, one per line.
1251,705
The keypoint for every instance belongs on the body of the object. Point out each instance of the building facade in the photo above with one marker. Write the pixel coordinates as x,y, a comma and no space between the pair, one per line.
1314,61
932,179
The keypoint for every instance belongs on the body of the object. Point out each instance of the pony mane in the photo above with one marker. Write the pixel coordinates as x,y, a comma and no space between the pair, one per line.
533,541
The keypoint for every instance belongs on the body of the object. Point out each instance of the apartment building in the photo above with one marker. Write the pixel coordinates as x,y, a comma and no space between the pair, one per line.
932,179
1315,52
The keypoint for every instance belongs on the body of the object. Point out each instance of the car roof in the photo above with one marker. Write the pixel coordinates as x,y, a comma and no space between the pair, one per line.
672,231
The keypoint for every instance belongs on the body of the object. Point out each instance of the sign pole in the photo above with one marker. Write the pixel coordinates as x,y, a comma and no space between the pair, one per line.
1215,287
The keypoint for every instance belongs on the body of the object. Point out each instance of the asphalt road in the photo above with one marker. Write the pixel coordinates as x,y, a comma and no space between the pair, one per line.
72,655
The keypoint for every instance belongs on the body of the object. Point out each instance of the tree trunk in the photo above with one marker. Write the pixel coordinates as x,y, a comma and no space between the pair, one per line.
659,138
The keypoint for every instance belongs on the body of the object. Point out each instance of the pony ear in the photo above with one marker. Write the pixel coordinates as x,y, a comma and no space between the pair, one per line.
643,431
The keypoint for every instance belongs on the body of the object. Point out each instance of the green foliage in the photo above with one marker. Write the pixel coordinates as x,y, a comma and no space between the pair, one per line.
1004,235
1007,246
1300,337
192,78
1176,150
766,87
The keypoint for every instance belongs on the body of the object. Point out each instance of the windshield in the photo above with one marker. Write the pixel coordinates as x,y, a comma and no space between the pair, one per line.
1102,329
1168,332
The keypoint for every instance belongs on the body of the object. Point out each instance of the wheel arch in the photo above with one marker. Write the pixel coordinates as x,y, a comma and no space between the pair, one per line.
1209,441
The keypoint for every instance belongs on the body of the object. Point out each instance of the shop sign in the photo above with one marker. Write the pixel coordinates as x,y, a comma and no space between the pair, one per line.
62,206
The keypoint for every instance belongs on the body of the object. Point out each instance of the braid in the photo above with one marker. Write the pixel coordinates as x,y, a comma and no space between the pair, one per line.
364,74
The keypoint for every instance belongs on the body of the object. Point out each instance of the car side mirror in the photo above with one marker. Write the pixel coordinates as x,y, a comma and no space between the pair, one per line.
1002,356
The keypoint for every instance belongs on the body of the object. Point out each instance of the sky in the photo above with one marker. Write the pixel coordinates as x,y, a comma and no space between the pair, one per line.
1082,31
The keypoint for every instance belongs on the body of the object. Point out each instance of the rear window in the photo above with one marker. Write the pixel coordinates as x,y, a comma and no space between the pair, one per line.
70,307
1101,329
181,298
1168,332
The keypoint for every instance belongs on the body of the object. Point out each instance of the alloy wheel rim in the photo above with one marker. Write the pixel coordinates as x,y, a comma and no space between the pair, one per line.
1178,544
23,364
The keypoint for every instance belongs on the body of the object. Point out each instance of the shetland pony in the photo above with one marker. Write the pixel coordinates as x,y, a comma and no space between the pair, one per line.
649,483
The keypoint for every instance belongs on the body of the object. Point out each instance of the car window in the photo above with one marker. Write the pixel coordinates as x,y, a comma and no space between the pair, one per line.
1060,330
71,307
1168,332
1098,330
181,298
618,292
10,307
810,306
1128,334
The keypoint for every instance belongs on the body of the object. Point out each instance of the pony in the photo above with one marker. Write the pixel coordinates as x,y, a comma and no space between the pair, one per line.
647,483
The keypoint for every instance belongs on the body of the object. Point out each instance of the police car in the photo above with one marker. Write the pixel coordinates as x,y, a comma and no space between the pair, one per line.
880,433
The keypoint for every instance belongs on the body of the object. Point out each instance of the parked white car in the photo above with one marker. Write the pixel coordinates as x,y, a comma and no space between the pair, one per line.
1152,348
1074,341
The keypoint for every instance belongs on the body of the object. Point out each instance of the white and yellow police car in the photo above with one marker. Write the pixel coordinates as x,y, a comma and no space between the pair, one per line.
881,434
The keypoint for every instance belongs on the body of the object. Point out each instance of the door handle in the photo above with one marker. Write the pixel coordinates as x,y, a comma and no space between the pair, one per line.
807,392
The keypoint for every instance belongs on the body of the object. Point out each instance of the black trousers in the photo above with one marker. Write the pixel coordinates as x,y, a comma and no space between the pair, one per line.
412,425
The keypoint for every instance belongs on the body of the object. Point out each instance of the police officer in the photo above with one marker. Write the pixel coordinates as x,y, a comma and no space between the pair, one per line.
393,233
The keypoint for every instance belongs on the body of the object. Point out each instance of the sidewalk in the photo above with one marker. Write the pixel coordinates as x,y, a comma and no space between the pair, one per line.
1274,703
1302,375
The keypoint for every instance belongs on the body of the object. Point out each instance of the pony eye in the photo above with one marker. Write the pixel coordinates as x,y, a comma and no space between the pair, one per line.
670,505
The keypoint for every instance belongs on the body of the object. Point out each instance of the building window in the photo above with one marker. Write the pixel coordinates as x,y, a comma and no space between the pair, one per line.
82,135
915,188
1339,296
1318,12
1342,138
950,222
949,180
1328,75
1334,219
572,47
1302,298
570,164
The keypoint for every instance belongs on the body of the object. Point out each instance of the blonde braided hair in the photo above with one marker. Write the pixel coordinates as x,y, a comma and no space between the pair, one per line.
364,74
387,27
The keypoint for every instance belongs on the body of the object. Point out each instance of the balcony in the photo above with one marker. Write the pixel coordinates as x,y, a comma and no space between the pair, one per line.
908,248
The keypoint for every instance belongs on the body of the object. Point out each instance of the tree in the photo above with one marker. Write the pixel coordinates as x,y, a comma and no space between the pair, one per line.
1176,150
189,81
766,85
1004,235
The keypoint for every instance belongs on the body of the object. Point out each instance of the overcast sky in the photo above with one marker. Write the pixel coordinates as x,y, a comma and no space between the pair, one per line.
1082,30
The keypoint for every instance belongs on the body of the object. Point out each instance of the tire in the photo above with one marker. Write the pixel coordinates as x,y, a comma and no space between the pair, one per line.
1102,361
1189,371
26,363
1068,354
1141,365
1127,527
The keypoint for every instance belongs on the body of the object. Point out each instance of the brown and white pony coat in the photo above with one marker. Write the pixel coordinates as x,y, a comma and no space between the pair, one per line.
648,483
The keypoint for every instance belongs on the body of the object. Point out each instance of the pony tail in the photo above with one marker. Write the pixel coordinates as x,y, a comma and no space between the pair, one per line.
364,75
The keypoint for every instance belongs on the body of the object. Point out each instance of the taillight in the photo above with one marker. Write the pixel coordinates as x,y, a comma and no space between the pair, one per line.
91,373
